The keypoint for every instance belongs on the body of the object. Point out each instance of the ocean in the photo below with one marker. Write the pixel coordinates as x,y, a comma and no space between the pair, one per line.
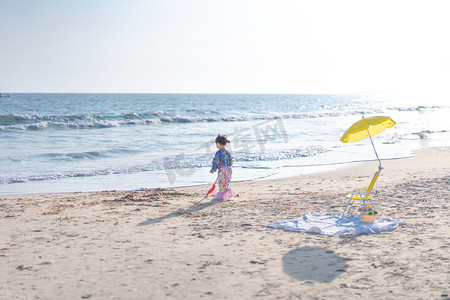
95,142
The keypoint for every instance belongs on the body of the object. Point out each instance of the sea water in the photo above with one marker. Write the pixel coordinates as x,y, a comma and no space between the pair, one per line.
94,142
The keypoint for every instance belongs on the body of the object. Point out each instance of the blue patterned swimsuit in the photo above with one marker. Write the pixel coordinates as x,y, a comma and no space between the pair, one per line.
221,159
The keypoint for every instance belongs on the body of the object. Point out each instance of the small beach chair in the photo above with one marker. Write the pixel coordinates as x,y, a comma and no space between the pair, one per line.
363,196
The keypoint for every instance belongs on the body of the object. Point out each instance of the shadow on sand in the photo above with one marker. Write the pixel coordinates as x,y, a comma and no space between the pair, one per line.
179,212
314,263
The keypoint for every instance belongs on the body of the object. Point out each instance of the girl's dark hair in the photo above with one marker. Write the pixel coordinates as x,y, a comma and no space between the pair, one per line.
222,139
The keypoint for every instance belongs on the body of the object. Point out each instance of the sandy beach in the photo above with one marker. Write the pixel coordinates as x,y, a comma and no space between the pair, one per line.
158,244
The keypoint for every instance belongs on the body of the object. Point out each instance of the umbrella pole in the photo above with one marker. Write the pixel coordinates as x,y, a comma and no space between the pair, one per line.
374,147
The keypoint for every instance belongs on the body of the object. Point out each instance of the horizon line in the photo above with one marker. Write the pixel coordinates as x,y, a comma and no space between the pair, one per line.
201,93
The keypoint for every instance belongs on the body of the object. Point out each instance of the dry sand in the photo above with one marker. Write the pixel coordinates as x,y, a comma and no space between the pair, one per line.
156,244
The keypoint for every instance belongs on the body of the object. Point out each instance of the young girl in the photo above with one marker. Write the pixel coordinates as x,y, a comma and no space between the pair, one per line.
222,161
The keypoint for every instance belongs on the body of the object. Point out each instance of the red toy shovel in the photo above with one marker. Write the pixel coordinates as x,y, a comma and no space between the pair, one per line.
212,188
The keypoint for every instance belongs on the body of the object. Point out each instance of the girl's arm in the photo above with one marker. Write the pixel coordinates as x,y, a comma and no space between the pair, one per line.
215,163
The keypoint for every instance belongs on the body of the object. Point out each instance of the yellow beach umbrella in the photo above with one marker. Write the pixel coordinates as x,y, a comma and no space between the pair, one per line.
367,127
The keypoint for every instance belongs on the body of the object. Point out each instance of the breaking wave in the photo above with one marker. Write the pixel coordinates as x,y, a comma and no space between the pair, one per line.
415,108
181,161
37,122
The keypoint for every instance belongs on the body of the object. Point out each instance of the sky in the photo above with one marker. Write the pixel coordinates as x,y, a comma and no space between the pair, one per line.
225,46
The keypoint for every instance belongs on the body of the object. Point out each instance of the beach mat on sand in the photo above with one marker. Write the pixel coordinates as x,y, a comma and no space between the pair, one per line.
333,225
